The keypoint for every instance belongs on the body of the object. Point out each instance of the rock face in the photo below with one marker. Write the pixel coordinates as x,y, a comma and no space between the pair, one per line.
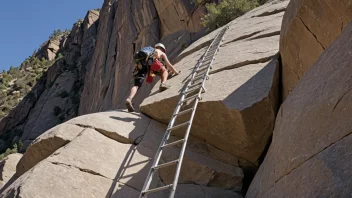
309,27
124,28
116,154
310,152
55,98
8,168
242,93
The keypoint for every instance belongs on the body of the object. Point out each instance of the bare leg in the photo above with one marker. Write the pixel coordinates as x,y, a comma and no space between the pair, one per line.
164,76
133,92
129,99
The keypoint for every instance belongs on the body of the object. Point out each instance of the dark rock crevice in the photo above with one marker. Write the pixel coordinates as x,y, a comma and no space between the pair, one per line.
270,12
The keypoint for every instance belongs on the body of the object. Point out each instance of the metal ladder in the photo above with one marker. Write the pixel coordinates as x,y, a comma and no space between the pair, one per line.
195,86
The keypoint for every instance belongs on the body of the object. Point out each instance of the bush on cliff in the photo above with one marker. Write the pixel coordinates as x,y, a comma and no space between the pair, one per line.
220,14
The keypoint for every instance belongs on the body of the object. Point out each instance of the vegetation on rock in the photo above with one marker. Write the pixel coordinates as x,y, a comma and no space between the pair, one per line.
220,14
57,34
17,82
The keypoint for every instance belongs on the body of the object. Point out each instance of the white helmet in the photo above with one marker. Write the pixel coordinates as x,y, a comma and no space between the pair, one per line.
161,46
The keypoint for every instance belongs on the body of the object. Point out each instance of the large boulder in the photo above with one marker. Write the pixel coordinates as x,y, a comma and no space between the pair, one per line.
308,28
8,168
115,149
238,110
310,152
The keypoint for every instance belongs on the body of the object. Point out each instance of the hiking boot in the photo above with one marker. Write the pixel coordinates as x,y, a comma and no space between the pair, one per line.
129,105
163,87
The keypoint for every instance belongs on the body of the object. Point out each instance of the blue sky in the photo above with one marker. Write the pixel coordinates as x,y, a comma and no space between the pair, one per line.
26,24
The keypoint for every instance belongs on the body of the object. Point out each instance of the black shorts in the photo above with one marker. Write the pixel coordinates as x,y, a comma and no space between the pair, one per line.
138,79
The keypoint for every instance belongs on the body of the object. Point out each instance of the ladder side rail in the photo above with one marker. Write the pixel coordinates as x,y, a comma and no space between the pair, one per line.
178,170
172,121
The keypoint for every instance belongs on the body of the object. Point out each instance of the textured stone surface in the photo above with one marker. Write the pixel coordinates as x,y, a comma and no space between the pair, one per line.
310,146
123,163
118,125
194,191
8,168
43,116
309,27
124,28
242,89
68,182
47,144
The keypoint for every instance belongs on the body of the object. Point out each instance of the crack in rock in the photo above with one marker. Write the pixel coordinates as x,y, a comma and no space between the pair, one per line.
244,63
276,33
315,36
109,134
268,13
241,38
81,169
311,157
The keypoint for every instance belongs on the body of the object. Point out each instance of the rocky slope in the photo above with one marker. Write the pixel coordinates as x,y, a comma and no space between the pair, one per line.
115,148
103,46
55,98
234,122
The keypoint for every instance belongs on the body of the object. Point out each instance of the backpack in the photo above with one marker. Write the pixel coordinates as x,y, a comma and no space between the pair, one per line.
143,54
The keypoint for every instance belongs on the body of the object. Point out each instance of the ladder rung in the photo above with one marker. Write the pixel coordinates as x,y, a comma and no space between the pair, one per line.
202,69
207,59
211,53
179,126
194,85
184,112
193,90
205,65
198,77
173,143
157,189
166,164
189,98
201,73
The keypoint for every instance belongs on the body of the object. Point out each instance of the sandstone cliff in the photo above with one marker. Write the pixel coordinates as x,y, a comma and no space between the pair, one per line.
309,154
126,26
309,27
235,122
115,148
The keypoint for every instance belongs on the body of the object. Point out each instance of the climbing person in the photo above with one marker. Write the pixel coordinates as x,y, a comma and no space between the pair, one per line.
149,62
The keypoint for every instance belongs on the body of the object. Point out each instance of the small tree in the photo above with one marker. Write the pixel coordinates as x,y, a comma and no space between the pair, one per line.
226,11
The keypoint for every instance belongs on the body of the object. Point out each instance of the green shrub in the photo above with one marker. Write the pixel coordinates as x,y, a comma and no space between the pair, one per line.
20,84
226,11
6,107
9,151
57,111
2,114
15,72
56,34
184,45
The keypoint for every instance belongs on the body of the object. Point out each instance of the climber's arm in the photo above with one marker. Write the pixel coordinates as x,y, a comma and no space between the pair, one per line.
168,64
